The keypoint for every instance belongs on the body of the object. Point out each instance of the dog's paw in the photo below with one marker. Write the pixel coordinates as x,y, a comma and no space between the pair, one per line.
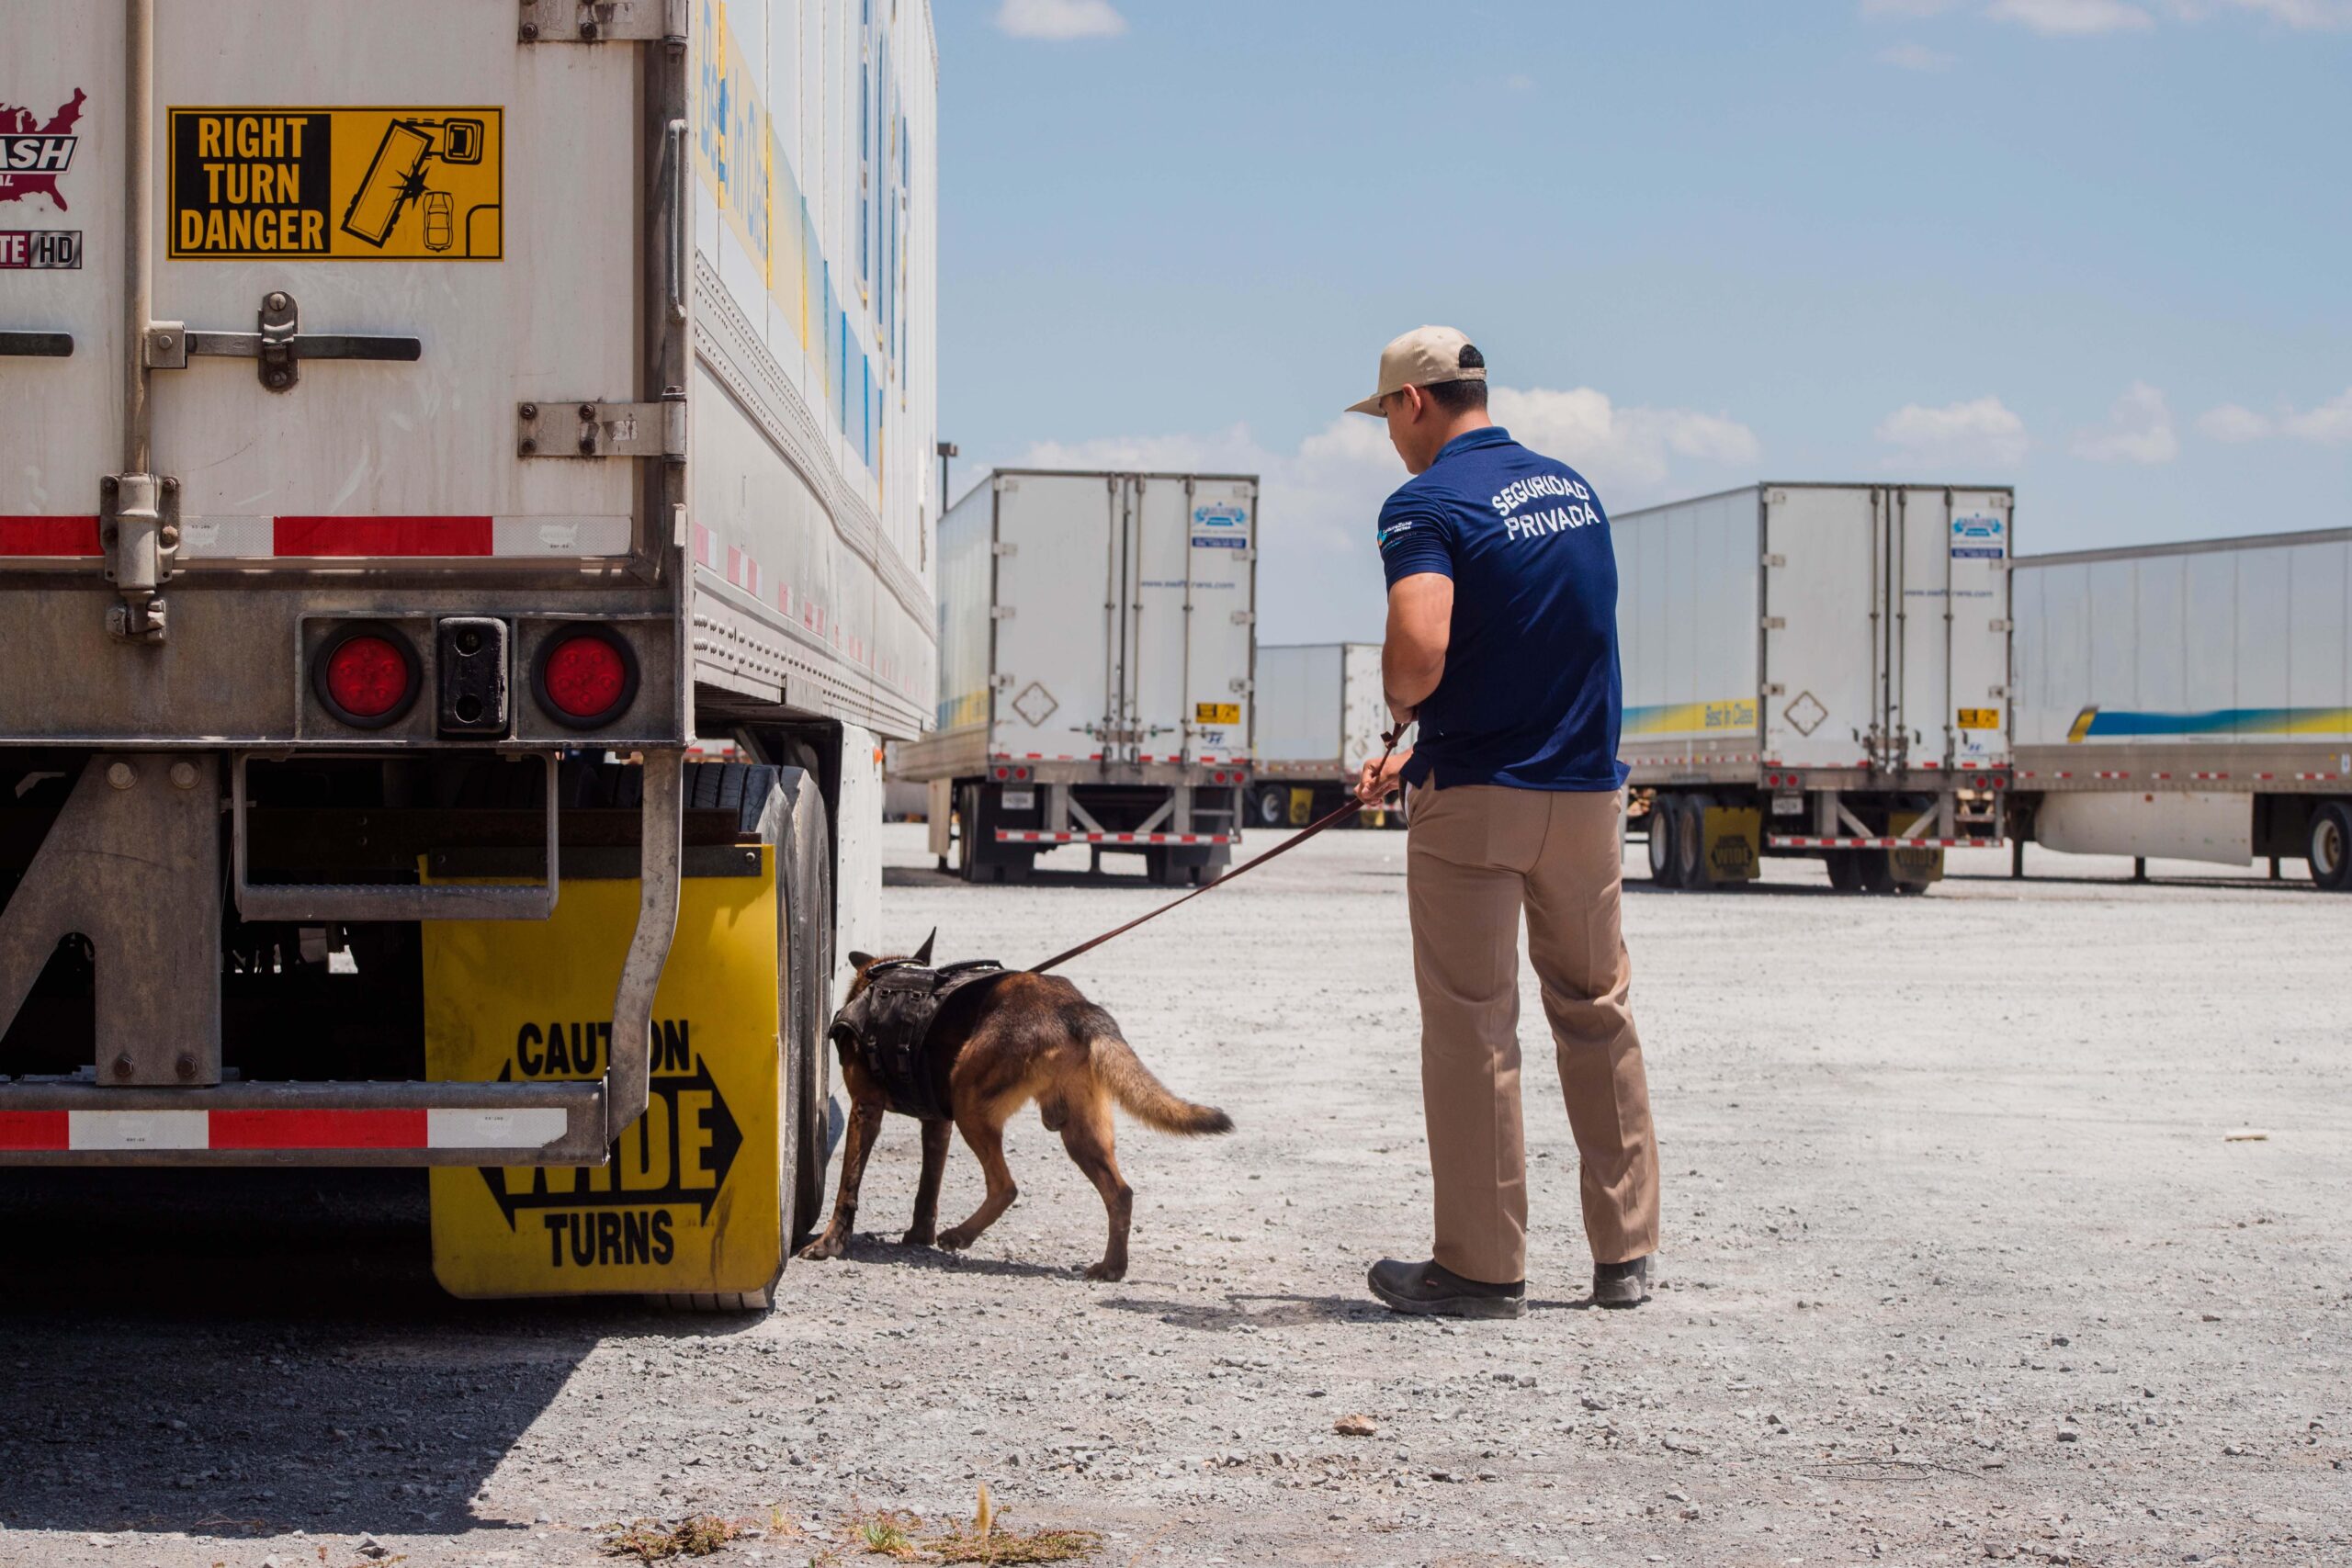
922,1237
1106,1271
824,1249
956,1240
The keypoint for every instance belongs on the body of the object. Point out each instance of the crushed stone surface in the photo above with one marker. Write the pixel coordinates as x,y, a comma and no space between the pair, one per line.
1959,1264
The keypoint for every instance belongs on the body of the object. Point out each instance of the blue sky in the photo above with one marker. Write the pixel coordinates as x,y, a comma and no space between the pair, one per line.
2100,249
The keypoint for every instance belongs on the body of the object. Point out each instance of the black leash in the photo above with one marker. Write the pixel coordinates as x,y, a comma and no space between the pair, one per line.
1344,812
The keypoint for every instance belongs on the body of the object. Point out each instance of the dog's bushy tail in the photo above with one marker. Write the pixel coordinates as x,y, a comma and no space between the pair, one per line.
1146,1098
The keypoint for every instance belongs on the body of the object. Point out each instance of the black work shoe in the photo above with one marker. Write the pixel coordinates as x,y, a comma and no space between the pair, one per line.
1625,1285
1432,1289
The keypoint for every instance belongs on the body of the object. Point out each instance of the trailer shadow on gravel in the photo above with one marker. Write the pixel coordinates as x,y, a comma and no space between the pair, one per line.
258,1351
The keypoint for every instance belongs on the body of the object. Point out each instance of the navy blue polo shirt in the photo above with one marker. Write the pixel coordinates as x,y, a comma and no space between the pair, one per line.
1530,697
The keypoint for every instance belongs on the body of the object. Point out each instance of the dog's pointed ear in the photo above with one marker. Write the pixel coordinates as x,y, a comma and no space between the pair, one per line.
922,953
858,961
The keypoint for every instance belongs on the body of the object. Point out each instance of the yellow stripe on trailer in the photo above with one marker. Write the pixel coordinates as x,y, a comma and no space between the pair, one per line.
691,1202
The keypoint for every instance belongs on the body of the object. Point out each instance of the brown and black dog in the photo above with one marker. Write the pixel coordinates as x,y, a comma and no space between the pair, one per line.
1029,1037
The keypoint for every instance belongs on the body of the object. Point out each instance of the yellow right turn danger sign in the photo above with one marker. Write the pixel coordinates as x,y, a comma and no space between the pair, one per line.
337,183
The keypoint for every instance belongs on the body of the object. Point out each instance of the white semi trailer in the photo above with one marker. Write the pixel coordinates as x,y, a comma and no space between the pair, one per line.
2192,701
1096,632
1817,669
420,424
1322,714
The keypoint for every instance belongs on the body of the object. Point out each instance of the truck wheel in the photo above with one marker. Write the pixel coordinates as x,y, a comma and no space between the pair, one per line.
1270,806
1845,869
1664,820
809,999
1691,842
1877,871
2329,847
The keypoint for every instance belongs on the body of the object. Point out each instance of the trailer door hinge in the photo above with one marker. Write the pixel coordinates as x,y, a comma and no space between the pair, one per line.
602,430
2004,626
1776,622
1245,617
1774,689
1000,682
1776,561
1004,548
603,21
1997,690
1001,612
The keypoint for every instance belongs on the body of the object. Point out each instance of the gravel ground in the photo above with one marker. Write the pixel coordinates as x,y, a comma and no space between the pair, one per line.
1959,1263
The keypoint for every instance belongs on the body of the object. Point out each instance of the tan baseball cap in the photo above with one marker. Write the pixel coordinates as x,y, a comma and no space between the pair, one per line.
1423,358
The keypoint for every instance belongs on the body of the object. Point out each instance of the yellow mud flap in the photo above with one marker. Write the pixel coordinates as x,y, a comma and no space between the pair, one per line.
1916,864
691,1202
1733,838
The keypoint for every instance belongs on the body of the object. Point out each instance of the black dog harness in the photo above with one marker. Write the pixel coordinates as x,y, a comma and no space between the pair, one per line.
886,1025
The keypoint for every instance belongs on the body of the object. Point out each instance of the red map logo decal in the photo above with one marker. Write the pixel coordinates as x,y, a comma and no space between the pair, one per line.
32,156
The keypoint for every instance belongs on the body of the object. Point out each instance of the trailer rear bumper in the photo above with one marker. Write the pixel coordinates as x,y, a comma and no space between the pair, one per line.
51,1123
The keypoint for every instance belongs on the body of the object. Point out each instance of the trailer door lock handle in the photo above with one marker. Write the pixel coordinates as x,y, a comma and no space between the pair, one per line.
280,345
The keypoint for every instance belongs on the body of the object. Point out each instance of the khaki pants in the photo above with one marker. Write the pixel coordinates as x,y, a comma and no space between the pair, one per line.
1476,857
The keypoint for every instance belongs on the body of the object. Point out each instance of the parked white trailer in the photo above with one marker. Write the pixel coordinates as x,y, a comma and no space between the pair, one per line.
1816,669
1321,713
420,425
1096,633
2192,701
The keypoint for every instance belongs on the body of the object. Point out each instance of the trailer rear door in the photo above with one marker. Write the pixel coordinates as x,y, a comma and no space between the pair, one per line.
371,172
1058,567
1824,606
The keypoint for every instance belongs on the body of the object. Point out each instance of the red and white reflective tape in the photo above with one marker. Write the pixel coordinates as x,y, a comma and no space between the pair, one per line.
1028,836
338,538
2313,778
2110,775
1779,842
73,1130
2209,775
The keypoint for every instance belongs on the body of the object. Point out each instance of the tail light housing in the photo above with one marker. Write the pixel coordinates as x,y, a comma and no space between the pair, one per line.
584,676
367,674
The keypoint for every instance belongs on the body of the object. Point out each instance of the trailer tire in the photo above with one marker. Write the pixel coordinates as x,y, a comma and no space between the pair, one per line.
2327,847
1270,806
1663,820
1877,869
1691,842
1845,869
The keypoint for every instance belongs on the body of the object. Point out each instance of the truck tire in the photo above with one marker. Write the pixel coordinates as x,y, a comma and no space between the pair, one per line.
1845,869
1664,819
785,806
1270,806
1691,842
809,997
2328,846
1876,870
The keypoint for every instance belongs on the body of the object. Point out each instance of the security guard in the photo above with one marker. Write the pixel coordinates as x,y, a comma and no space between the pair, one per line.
1502,643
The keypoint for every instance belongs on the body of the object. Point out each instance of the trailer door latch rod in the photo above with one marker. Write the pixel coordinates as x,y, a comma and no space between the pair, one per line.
280,345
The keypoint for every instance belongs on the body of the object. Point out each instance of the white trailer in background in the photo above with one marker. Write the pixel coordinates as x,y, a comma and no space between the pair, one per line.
1096,633
1817,669
2192,702
1322,714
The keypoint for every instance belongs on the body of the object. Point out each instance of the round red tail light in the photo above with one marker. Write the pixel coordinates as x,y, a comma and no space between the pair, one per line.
585,676
367,674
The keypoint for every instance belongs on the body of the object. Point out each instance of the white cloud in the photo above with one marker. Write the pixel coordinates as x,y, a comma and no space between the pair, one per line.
2138,430
1916,57
1982,430
2232,424
1912,8
1318,576
2072,18
2304,16
2330,425
1059,19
